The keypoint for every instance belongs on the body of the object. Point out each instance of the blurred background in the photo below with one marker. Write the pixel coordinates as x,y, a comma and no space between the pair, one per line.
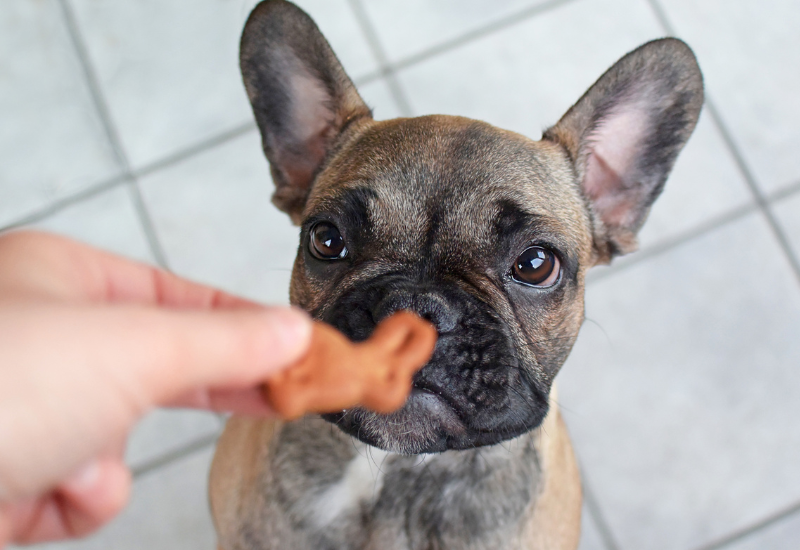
124,124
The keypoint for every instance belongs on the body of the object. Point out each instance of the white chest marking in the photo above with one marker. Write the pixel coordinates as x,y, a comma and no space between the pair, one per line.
362,480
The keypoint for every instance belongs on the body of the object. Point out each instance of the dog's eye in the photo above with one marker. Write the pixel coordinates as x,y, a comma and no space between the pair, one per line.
326,242
536,266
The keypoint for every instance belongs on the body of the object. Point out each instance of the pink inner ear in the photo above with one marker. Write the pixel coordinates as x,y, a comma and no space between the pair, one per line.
611,165
311,115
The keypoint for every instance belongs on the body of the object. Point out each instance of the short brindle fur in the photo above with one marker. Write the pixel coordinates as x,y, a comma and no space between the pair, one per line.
447,217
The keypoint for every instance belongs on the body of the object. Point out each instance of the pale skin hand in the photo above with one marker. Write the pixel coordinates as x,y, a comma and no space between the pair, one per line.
89,343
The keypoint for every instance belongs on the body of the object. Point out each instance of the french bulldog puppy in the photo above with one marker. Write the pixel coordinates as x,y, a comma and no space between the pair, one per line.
484,232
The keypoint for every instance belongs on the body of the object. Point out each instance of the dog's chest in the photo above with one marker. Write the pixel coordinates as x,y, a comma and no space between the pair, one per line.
335,493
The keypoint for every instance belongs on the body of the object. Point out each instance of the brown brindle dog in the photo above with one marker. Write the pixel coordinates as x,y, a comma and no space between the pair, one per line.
483,232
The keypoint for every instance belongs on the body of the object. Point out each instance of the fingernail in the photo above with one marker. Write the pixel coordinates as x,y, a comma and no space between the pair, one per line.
293,331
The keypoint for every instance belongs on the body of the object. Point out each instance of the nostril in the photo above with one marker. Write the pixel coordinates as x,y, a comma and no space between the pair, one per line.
435,309
391,304
431,307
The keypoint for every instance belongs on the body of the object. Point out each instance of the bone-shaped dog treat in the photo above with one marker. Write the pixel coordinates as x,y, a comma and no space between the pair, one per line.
337,373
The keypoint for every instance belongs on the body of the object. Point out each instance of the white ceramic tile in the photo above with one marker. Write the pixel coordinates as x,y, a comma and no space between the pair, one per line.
750,53
168,511
107,220
216,223
531,73
336,20
526,77
408,27
783,535
377,95
704,184
788,213
168,430
52,143
681,393
170,69
590,534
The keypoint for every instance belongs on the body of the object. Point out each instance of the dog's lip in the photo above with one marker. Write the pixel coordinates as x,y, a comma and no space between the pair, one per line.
438,394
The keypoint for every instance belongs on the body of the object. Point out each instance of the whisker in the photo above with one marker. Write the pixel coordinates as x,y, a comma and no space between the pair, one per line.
598,325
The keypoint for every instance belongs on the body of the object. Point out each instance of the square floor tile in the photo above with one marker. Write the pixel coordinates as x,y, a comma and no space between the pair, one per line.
681,392
337,21
216,223
750,53
590,534
379,98
532,72
168,511
788,214
108,220
527,76
408,27
170,70
52,143
704,184
783,535
165,431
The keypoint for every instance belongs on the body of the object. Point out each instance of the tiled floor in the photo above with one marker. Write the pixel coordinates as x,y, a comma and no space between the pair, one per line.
124,124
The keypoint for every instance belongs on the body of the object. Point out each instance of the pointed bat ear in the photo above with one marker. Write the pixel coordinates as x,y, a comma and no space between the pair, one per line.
625,133
301,97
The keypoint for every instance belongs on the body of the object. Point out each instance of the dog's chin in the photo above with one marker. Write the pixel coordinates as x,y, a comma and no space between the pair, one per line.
425,424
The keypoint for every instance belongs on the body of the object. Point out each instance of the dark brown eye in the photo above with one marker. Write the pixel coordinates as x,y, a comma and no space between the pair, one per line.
536,266
326,242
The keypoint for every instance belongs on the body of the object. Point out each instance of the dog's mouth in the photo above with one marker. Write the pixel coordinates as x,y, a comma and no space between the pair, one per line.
427,423
431,422
465,397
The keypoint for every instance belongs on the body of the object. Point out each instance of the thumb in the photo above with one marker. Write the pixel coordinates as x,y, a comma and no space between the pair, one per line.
83,375
182,353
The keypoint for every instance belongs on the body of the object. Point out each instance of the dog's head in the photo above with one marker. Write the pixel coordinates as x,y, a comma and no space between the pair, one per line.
484,232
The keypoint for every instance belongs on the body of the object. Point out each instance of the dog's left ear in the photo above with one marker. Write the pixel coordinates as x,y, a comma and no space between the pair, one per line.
625,133
301,97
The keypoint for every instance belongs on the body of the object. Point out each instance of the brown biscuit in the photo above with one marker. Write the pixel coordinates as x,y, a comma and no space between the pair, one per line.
338,374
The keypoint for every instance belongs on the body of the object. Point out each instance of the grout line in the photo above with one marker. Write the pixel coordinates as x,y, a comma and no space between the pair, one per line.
244,128
367,78
388,73
147,223
468,36
666,245
762,202
784,192
61,204
197,148
176,454
753,529
249,126
92,83
593,507
108,184
739,159
111,132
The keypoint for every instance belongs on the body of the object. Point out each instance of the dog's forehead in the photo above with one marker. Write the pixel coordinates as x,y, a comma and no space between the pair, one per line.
451,174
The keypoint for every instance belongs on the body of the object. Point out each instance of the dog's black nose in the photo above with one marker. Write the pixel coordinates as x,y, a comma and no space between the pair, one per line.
428,305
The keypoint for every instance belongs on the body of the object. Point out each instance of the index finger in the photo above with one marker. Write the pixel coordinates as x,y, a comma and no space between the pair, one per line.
42,264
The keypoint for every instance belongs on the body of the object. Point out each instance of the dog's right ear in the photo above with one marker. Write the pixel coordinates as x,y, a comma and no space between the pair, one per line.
624,135
301,97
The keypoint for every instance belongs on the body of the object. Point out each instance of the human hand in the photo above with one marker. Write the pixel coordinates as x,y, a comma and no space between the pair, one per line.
89,343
